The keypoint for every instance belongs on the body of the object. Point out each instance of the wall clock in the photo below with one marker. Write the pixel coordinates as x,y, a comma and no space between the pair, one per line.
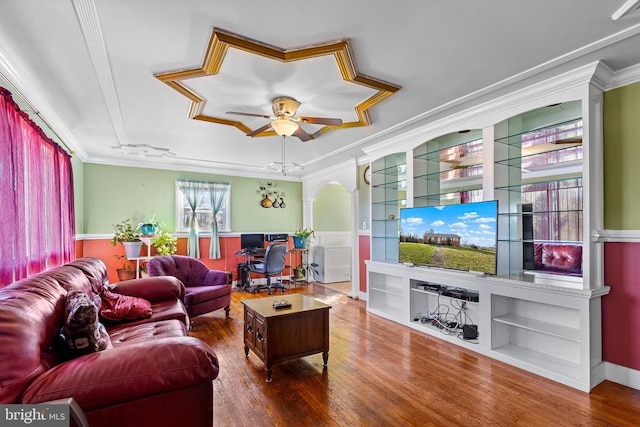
367,175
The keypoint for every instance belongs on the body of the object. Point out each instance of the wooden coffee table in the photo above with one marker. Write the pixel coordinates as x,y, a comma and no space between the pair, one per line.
279,335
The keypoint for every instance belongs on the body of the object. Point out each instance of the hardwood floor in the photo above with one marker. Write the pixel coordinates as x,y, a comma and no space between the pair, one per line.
383,374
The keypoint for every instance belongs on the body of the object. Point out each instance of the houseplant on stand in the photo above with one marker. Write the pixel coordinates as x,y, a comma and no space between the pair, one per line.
301,237
305,270
126,234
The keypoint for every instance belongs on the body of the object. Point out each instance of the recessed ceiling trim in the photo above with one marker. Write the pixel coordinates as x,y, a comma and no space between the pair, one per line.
626,9
220,41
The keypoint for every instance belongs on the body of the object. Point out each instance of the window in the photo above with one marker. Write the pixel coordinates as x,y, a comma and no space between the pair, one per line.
203,213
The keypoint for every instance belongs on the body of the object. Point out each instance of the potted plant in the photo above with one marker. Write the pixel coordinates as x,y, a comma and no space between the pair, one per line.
305,270
301,236
165,243
149,228
126,234
125,272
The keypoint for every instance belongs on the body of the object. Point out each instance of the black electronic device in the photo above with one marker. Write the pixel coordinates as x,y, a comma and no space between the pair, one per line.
276,237
469,332
428,286
461,294
528,256
243,276
251,241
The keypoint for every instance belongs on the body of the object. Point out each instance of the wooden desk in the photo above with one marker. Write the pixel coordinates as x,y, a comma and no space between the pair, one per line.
277,336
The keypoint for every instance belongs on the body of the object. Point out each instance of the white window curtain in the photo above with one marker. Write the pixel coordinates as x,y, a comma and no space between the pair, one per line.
195,192
217,192
192,191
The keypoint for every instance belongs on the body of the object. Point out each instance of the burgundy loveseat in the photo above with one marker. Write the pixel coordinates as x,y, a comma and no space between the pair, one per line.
206,290
558,258
154,374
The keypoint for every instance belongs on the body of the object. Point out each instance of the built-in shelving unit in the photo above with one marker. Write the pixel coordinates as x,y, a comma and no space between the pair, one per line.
388,196
540,157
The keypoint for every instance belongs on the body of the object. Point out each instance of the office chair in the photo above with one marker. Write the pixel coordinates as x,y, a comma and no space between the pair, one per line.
272,265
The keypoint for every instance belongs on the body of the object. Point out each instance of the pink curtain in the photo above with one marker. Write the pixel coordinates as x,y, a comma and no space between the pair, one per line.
37,223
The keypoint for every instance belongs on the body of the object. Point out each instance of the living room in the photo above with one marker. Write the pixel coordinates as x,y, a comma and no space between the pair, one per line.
333,195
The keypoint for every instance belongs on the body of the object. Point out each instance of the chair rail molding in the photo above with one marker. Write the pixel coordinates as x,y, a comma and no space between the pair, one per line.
620,236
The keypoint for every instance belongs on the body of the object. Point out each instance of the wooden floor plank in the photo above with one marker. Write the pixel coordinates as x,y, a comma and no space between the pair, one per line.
384,374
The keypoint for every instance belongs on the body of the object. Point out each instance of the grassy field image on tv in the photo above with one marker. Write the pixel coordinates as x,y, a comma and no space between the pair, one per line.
459,237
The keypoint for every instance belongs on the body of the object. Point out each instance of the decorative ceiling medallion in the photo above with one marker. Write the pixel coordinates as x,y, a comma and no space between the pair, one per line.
220,41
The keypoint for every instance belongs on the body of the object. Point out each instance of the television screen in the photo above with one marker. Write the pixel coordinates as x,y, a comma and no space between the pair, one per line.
459,237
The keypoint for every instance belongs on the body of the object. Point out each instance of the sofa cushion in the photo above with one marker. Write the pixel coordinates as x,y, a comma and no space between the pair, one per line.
198,294
116,307
126,334
81,331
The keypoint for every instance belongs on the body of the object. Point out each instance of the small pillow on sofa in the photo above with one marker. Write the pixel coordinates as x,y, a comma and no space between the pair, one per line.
81,331
117,307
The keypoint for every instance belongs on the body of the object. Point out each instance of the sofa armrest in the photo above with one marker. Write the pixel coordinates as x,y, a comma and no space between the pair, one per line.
127,373
159,288
215,278
76,414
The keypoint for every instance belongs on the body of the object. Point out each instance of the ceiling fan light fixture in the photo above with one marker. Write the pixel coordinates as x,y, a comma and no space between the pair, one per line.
284,127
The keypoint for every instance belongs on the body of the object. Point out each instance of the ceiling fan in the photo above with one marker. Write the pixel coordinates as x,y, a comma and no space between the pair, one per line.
285,122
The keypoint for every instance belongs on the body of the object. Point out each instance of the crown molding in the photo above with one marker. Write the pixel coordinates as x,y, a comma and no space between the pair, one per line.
15,77
206,167
624,77
564,87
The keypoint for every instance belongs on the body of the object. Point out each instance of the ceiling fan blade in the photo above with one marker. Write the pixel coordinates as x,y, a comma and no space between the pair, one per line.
249,114
302,134
320,121
259,130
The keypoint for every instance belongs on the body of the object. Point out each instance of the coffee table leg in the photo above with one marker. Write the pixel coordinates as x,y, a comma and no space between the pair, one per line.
325,358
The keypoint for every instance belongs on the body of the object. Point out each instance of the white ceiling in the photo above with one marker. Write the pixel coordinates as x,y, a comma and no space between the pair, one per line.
88,67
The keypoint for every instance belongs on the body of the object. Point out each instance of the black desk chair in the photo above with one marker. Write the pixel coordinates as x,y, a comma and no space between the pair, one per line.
272,265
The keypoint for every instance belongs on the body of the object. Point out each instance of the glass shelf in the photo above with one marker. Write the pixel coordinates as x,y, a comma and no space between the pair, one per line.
564,183
555,157
562,132
393,202
393,185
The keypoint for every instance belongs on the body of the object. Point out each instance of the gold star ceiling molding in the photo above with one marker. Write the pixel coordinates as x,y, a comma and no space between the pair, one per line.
220,41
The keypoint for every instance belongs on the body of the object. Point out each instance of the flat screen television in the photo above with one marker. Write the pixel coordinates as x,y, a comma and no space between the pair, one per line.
458,237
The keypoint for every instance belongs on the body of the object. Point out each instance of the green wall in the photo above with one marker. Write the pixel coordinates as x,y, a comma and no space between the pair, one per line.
78,192
332,209
621,158
114,193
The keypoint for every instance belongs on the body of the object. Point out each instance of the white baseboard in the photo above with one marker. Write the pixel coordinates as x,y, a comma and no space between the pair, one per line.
623,375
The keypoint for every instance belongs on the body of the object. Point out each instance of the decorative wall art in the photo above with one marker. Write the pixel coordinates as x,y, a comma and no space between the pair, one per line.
270,197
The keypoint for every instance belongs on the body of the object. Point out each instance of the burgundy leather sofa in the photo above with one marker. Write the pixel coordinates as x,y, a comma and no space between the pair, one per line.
206,290
558,258
155,374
